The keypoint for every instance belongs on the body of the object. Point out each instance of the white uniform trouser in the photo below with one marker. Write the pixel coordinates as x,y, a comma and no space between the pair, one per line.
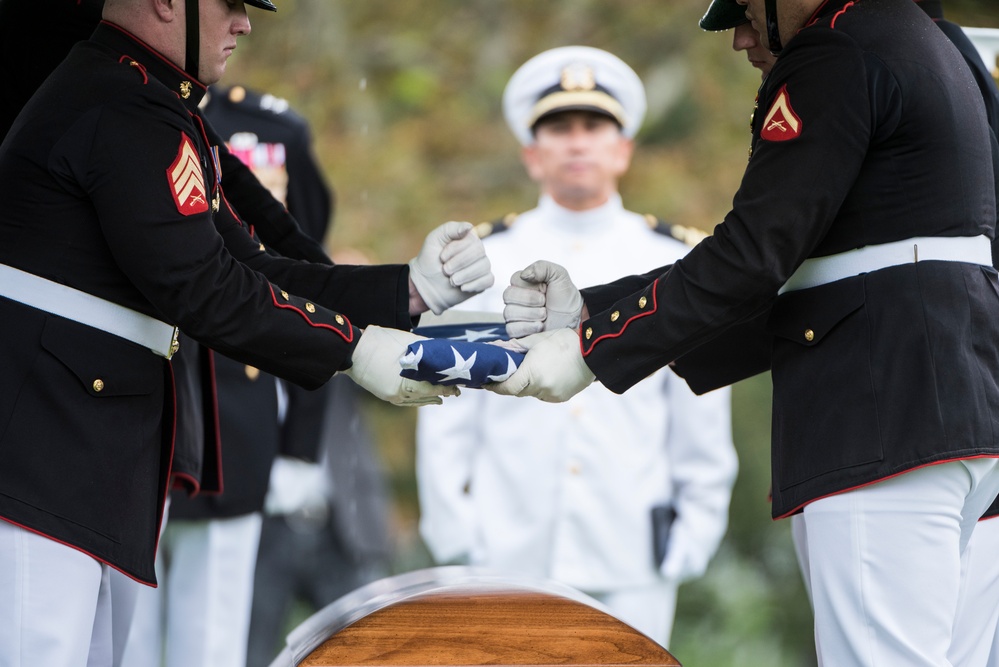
648,609
884,564
200,615
55,603
799,537
976,640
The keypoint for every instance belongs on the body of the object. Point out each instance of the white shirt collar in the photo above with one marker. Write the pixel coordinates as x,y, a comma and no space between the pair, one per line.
590,220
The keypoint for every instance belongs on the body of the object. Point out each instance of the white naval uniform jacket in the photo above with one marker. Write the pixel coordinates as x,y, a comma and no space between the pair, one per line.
565,490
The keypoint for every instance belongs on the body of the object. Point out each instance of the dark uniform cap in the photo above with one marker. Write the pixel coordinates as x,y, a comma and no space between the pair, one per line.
723,15
986,41
262,4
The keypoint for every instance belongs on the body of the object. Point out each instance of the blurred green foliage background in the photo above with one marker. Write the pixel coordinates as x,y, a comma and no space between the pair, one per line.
404,102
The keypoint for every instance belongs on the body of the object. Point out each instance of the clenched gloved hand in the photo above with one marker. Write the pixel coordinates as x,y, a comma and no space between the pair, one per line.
451,266
541,298
553,370
376,368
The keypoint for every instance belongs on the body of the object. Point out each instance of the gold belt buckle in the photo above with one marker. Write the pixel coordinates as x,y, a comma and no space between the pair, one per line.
174,343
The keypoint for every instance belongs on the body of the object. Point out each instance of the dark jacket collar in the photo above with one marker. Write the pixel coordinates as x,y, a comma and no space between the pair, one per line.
826,8
932,7
154,64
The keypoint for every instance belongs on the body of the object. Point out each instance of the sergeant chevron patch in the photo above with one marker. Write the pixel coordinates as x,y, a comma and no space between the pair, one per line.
187,180
781,123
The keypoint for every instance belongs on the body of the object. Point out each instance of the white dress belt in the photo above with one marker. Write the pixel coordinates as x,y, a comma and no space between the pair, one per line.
93,311
821,270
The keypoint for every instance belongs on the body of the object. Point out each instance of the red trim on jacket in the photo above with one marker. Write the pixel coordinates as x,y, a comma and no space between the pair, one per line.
76,548
168,484
137,65
832,24
815,15
882,479
655,307
157,54
210,355
319,325
185,482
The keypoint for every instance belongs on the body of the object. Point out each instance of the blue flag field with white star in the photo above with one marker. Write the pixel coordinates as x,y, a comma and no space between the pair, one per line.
457,351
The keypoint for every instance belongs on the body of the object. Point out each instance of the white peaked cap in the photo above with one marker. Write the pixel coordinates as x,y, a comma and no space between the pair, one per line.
573,78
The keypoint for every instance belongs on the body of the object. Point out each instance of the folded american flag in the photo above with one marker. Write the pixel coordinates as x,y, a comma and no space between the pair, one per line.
469,326
457,351
449,362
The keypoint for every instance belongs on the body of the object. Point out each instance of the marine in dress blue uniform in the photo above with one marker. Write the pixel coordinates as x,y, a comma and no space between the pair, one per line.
92,239
839,225
112,189
880,368
59,24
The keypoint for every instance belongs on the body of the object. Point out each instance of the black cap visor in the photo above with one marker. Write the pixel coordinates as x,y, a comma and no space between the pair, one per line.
262,4
582,100
723,15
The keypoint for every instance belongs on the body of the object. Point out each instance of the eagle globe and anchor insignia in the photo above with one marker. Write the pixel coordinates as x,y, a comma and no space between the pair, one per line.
578,77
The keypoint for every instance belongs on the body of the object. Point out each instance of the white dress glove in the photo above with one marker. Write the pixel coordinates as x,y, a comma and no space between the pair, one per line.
683,564
376,368
541,298
553,369
451,266
295,485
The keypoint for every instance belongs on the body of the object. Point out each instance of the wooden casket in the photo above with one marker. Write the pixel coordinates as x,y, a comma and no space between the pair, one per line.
467,616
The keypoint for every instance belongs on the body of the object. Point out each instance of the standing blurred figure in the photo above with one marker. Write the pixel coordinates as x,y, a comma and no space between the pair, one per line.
623,498
316,547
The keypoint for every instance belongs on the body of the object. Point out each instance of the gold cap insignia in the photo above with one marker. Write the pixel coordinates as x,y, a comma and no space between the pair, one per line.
578,77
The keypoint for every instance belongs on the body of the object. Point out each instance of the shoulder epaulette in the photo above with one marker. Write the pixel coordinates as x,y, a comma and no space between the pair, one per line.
264,105
484,229
255,100
687,235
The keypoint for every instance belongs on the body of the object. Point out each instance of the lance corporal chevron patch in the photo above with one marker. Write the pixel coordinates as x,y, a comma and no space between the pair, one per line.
781,123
